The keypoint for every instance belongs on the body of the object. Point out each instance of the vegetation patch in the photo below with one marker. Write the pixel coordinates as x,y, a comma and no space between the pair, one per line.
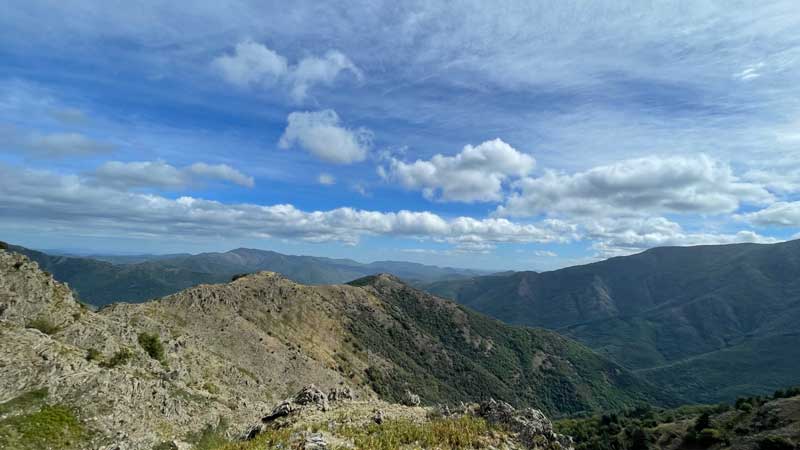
152,346
120,358
53,426
93,354
461,433
44,325
699,426
24,402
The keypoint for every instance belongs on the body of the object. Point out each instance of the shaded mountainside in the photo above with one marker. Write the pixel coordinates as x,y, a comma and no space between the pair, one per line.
139,278
166,368
685,316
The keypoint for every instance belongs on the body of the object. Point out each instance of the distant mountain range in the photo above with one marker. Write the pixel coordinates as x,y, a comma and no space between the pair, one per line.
100,280
708,323
712,322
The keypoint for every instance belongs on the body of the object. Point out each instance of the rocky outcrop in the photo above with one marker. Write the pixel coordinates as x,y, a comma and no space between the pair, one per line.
531,425
411,399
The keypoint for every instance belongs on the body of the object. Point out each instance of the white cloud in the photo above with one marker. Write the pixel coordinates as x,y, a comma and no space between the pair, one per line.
51,145
679,184
320,133
40,198
69,116
326,179
159,174
545,253
617,237
475,174
253,65
780,214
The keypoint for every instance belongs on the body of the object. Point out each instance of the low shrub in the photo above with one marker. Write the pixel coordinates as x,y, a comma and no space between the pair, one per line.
119,358
152,346
776,443
44,325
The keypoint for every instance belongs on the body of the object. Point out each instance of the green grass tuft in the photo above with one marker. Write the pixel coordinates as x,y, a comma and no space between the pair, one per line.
44,325
53,426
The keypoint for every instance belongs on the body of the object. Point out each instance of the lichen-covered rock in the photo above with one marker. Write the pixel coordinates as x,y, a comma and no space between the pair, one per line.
339,394
534,428
310,395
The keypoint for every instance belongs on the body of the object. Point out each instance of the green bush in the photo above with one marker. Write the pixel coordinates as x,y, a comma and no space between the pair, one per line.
776,443
93,354
709,437
152,345
118,359
44,325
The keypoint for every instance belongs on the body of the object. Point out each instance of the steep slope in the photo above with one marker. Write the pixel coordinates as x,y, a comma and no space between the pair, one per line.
169,367
669,310
101,282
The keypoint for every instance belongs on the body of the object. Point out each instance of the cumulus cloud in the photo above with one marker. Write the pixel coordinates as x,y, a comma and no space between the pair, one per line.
254,65
476,174
617,237
159,174
40,197
52,145
326,179
320,133
678,184
779,214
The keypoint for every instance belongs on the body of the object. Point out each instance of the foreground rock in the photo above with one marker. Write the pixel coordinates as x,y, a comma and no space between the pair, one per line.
351,424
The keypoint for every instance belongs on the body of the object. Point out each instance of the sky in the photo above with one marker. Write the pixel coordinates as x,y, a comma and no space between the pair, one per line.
490,135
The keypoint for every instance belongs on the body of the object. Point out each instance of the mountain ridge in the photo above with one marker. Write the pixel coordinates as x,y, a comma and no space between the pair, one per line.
659,307
100,282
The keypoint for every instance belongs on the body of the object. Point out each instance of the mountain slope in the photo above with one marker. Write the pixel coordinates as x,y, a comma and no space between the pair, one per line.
100,282
663,306
232,350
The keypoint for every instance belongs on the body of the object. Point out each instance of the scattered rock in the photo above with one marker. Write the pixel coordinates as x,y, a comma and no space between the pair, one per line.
339,394
310,395
315,442
378,418
282,410
411,399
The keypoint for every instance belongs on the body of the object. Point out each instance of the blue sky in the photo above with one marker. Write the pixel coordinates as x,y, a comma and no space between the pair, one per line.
511,135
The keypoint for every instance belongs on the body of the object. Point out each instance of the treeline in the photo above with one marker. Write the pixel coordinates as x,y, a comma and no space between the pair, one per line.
697,426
